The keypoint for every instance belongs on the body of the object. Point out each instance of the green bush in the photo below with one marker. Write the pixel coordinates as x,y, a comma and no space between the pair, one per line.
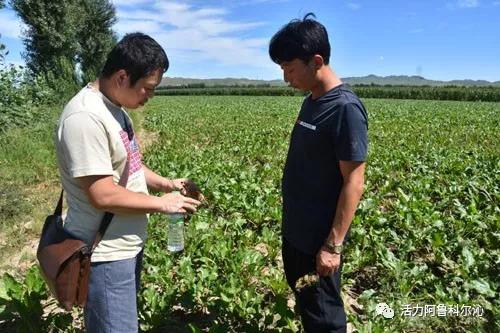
23,94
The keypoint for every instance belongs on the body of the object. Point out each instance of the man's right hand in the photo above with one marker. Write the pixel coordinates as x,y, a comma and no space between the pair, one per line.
104,195
177,203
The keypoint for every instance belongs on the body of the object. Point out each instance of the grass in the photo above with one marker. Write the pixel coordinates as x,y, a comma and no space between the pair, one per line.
28,191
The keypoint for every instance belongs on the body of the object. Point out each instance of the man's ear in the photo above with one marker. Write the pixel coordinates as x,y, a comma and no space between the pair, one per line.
122,78
317,61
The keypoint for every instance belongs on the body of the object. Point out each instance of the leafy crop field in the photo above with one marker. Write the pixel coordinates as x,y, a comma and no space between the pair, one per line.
426,231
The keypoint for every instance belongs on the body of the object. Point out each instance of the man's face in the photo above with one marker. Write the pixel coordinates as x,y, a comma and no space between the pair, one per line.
298,74
138,95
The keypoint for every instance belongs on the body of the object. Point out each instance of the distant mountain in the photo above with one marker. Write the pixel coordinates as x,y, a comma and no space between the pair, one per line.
179,81
414,80
404,80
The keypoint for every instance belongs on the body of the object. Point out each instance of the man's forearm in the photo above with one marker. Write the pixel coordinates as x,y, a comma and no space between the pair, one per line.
105,195
119,200
346,207
157,182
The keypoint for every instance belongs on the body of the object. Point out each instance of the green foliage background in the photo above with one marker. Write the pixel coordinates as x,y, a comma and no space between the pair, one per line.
66,46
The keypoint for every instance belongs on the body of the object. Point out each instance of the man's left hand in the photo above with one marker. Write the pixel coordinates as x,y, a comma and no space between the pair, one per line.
327,263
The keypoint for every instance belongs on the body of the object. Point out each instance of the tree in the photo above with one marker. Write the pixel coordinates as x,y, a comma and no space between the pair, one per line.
97,38
62,34
52,30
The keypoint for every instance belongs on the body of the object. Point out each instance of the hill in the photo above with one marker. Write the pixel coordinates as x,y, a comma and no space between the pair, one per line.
180,81
405,80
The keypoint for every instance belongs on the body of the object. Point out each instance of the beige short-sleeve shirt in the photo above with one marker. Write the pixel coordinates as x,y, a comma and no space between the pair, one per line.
91,140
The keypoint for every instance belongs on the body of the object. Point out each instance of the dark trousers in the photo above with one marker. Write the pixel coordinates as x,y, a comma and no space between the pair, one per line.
321,307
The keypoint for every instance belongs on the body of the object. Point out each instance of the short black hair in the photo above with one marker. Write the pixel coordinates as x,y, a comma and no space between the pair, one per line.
138,54
300,39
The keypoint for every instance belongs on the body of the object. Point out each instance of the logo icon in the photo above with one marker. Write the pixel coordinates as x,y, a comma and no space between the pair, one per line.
385,310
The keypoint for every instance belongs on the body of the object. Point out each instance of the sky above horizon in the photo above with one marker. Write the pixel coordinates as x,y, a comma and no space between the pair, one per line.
439,40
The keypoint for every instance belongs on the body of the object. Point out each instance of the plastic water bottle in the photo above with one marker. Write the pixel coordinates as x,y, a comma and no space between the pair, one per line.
175,232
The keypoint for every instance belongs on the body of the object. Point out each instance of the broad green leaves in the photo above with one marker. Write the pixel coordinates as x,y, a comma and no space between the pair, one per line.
423,232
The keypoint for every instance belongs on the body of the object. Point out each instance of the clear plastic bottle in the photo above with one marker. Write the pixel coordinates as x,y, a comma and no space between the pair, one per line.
175,232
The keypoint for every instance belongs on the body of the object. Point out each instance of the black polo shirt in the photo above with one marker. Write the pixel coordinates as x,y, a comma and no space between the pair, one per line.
329,129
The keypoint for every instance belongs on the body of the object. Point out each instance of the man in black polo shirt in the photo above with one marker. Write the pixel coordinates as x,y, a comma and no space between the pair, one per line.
323,175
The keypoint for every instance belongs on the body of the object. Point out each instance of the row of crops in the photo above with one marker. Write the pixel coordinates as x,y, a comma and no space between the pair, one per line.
454,93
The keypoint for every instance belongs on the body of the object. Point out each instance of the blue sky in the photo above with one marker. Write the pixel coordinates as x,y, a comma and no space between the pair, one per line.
441,40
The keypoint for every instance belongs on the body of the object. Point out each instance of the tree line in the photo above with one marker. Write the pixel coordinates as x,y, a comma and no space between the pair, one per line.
451,93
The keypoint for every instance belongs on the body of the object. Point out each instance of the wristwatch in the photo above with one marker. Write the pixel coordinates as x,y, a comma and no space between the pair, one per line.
332,248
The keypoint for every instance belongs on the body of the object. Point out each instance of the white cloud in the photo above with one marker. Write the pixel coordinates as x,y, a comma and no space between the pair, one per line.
353,6
193,35
468,3
11,24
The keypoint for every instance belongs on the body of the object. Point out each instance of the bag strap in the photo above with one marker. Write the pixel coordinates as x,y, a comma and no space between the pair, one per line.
58,210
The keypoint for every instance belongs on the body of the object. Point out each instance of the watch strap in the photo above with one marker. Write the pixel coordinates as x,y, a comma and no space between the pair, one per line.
332,248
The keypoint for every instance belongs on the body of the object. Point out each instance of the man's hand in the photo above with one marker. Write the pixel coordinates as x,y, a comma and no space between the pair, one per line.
169,185
177,203
327,263
105,195
177,184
